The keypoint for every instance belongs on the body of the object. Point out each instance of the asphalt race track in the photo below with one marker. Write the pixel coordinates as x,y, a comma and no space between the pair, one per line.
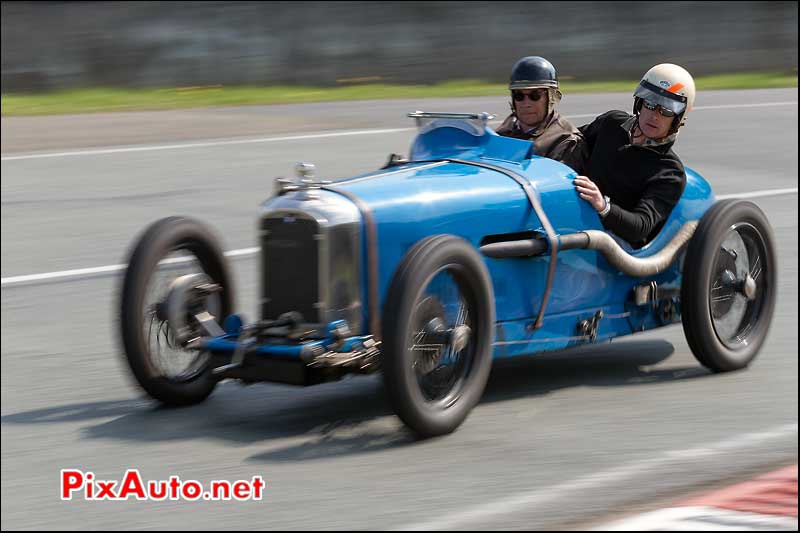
558,441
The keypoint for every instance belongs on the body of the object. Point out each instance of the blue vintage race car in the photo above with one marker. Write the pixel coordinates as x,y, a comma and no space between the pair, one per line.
472,249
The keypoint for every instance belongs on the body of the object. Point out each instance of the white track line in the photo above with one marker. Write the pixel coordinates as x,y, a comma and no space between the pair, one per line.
758,194
701,518
243,252
206,144
340,133
569,491
87,272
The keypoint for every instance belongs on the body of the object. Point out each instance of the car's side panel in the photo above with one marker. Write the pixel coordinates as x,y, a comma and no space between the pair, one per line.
415,201
459,200
516,337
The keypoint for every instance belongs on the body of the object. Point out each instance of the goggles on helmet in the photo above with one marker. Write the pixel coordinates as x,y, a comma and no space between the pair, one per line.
663,111
666,98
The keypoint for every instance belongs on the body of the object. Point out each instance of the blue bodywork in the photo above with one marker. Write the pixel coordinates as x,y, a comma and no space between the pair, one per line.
427,196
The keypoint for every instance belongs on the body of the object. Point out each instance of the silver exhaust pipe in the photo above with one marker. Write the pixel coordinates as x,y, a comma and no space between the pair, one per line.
640,267
603,243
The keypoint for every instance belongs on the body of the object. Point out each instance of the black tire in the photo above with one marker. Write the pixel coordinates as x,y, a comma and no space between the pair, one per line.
724,328
436,402
161,238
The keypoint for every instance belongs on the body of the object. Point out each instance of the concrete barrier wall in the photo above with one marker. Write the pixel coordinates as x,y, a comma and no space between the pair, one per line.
48,45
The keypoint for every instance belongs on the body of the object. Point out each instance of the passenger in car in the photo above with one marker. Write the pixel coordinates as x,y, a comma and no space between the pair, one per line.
534,94
631,176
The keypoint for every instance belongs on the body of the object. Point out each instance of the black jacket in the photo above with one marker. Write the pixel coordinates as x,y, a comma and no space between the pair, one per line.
557,138
643,182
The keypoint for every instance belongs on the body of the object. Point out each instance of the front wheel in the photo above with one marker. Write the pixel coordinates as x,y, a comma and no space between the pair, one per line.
438,328
175,273
729,285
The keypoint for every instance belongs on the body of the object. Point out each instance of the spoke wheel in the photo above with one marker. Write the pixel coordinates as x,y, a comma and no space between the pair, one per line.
729,285
441,368
175,271
438,328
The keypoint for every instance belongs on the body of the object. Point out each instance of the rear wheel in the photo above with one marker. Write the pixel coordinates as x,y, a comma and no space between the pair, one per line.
729,285
175,272
438,326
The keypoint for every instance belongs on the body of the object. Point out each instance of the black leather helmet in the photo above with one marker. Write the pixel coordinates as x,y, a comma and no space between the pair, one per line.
533,72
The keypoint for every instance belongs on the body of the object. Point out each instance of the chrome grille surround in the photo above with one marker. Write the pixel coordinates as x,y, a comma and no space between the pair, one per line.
335,249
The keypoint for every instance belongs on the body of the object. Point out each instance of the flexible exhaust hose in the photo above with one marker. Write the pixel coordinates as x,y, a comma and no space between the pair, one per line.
636,267
603,243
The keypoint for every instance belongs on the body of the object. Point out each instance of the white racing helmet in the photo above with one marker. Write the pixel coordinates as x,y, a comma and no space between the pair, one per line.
669,86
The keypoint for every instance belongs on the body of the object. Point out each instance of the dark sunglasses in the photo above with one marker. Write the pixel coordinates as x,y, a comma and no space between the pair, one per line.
663,111
533,97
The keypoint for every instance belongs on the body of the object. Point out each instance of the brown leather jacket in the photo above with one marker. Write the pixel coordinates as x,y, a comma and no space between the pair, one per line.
556,138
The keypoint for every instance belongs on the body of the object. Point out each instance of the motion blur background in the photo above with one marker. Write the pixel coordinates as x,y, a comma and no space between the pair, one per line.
558,441
56,45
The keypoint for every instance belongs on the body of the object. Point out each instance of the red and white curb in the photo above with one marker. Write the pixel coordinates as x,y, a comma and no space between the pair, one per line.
766,503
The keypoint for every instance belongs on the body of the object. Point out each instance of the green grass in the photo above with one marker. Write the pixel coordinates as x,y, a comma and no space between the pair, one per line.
106,100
